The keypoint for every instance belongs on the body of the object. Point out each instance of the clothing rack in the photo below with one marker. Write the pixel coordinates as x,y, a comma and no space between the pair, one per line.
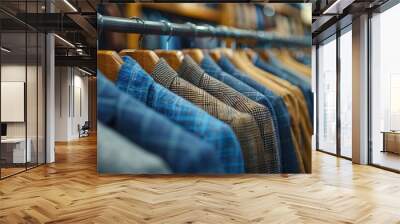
136,25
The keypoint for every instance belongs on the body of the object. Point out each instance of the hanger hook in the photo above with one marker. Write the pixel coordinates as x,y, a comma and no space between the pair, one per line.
224,30
235,35
141,36
169,26
259,38
194,29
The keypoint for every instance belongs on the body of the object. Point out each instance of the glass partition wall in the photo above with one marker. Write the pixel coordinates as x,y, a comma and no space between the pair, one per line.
385,90
346,95
334,94
22,77
327,96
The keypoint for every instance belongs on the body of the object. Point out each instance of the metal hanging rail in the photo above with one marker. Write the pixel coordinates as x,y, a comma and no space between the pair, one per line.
135,25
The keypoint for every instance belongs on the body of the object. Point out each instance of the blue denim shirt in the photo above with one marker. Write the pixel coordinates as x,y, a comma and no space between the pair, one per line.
277,70
290,164
182,151
136,82
211,68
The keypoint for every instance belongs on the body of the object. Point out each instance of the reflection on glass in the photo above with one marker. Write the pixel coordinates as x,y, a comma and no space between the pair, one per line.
327,97
385,84
346,94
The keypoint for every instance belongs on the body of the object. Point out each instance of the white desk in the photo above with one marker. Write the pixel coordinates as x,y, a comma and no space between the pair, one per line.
19,155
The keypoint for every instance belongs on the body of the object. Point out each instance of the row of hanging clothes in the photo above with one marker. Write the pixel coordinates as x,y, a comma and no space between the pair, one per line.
220,110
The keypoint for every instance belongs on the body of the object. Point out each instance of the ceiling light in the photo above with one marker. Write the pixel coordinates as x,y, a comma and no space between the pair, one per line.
65,41
333,6
337,7
84,71
5,50
70,5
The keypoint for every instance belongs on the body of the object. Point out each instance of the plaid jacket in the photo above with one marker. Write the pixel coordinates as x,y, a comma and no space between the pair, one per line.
136,82
290,163
270,157
242,124
182,151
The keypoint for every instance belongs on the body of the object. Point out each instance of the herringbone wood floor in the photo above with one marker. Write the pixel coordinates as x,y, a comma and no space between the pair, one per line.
70,191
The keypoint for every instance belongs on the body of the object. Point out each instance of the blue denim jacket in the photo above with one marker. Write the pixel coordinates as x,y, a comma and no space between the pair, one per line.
277,70
136,82
290,164
182,151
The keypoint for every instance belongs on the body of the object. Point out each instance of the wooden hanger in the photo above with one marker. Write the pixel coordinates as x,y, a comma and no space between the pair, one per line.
195,53
264,55
227,51
146,58
215,54
174,58
250,53
109,63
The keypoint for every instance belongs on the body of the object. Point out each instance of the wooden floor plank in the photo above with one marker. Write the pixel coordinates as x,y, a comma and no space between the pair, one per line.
70,191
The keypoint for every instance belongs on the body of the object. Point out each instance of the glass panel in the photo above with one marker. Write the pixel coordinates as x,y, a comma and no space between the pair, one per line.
385,84
23,90
346,94
31,100
327,97
33,86
13,89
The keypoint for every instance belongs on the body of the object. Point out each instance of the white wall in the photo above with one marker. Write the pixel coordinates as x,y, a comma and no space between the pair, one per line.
71,102
61,103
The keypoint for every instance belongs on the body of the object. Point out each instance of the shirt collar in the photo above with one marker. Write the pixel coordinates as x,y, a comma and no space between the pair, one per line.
163,73
227,65
191,71
133,79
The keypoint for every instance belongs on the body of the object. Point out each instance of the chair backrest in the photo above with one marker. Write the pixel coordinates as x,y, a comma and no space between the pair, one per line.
86,125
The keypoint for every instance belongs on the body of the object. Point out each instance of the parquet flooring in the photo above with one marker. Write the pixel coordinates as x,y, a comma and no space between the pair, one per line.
10,171
70,191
